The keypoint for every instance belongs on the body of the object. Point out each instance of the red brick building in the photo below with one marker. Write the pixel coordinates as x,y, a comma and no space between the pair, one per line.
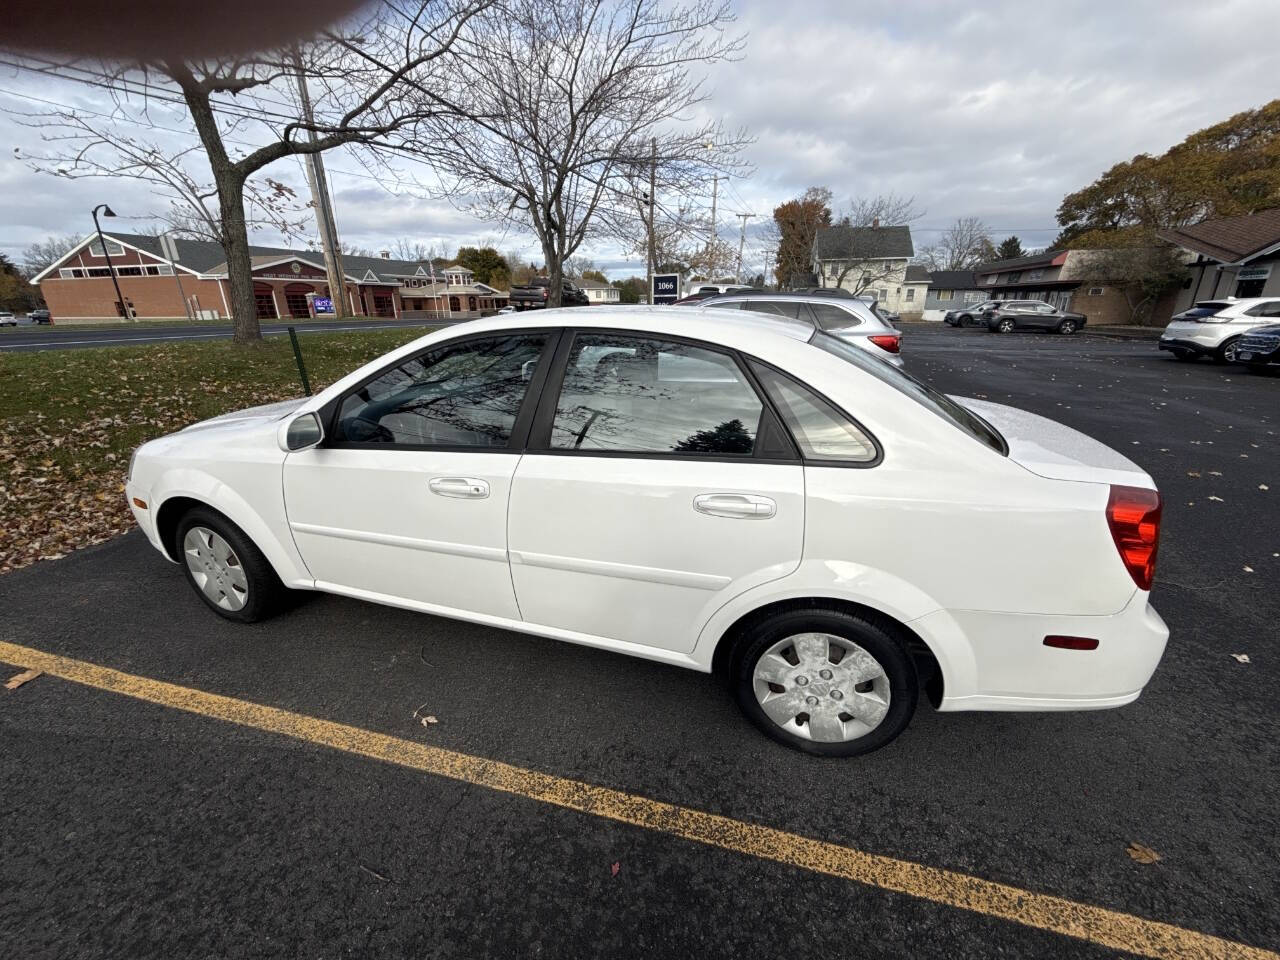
286,284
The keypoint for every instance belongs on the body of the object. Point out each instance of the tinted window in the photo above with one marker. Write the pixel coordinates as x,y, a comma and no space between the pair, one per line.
634,394
822,431
1269,309
781,308
466,394
1209,308
918,391
831,317
726,304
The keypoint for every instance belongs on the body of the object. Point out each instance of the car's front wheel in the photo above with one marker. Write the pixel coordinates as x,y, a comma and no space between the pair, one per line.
225,568
825,682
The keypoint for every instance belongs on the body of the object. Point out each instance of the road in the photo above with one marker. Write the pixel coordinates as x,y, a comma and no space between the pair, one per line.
136,829
29,338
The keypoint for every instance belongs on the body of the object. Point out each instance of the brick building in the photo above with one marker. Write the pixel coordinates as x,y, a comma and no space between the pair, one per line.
286,284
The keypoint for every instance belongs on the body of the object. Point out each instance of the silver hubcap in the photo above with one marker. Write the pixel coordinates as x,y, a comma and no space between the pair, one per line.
215,568
1006,326
822,687
1068,327
1229,352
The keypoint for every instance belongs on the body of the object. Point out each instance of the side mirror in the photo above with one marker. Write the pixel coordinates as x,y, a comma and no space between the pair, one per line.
302,433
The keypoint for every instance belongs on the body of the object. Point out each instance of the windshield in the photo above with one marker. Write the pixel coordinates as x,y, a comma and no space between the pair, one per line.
917,390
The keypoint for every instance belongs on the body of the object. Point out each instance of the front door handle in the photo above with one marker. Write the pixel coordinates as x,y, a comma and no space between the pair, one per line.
740,506
465,488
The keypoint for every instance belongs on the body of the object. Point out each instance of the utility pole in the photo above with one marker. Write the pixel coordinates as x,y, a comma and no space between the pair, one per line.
653,188
319,185
742,241
711,247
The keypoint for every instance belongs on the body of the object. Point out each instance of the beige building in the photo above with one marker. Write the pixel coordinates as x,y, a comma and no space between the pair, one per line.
1230,257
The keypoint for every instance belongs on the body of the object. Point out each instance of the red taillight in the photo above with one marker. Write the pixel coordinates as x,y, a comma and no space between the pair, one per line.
545,293
887,342
1133,514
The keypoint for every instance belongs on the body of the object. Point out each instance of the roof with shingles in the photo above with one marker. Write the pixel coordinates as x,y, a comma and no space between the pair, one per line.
917,273
1031,260
1229,238
953,279
863,243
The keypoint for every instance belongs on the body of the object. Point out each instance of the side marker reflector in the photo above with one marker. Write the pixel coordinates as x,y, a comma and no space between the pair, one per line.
139,503
1071,643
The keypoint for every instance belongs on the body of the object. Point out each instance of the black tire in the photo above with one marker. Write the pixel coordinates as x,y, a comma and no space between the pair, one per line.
1005,325
265,593
1067,327
1227,352
903,684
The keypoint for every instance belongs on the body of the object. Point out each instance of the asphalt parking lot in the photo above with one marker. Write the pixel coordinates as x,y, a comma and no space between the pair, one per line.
133,829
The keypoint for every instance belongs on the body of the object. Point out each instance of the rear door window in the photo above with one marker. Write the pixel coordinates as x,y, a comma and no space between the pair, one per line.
781,308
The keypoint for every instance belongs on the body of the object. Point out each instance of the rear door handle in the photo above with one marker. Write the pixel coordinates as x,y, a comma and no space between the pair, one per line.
464,488
740,506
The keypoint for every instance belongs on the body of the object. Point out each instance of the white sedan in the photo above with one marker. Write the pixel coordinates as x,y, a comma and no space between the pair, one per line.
738,494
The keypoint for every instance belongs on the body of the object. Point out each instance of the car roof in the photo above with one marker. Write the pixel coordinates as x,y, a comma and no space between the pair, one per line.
716,326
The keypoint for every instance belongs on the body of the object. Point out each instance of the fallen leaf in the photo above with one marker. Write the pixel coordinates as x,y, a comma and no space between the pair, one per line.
18,679
613,870
1242,658
1219,499
1263,486
429,720
1248,569
1141,854
1193,473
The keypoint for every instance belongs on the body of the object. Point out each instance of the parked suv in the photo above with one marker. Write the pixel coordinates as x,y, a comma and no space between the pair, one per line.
849,318
7,319
39,316
1260,347
1213,328
1011,315
969,313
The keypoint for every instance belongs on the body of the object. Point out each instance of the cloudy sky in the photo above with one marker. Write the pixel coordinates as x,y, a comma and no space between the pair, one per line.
985,108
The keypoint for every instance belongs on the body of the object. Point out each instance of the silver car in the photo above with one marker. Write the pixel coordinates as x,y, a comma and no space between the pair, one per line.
848,318
1213,328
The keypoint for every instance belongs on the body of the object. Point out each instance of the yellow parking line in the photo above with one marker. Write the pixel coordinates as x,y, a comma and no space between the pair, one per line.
1108,928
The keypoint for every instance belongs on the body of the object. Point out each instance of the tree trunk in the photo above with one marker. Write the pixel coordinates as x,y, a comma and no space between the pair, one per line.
555,274
230,183
235,244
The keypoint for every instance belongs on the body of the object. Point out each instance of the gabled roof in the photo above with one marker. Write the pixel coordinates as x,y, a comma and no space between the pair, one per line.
863,243
1042,259
206,257
594,285
917,273
953,279
1229,239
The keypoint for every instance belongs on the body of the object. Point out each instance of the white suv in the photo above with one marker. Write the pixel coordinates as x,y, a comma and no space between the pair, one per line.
1212,328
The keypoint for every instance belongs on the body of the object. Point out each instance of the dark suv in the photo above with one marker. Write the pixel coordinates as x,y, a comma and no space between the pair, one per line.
534,295
1011,315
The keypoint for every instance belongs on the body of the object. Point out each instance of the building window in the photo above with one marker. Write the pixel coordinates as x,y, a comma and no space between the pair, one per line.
945,295
883,294
113,248
129,271
989,278
1033,275
972,296
1013,277
911,294
98,272
1096,291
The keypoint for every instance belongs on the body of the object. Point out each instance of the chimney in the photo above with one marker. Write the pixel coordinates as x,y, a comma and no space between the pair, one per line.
875,222
386,254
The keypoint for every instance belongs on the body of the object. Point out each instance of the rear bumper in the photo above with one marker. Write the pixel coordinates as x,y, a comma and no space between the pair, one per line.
1012,669
1180,345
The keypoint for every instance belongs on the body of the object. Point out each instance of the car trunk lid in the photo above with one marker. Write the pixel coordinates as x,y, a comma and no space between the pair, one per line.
1055,451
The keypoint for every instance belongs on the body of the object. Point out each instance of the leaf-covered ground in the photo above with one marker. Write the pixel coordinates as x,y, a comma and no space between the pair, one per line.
70,418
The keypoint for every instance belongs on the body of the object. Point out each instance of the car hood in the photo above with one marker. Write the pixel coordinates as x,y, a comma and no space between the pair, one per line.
251,415
1055,451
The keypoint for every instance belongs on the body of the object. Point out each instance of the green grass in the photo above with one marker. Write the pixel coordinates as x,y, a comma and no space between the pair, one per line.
70,418
69,327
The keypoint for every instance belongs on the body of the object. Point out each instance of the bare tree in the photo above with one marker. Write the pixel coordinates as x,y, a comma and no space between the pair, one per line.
964,245
44,253
579,102
405,248
868,247
358,75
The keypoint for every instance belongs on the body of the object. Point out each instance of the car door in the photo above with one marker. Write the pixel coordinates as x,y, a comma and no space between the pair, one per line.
407,497
656,486
1045,315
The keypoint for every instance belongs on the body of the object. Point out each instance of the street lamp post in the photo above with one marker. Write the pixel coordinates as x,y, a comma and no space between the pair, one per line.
115,282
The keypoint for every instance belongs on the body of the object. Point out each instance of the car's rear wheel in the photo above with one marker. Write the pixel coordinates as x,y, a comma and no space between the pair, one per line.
1067,327
225,568
1006,325
1227,352
825,682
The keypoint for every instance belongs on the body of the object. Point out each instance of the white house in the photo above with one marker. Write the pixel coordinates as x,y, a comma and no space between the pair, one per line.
871,260
600,292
